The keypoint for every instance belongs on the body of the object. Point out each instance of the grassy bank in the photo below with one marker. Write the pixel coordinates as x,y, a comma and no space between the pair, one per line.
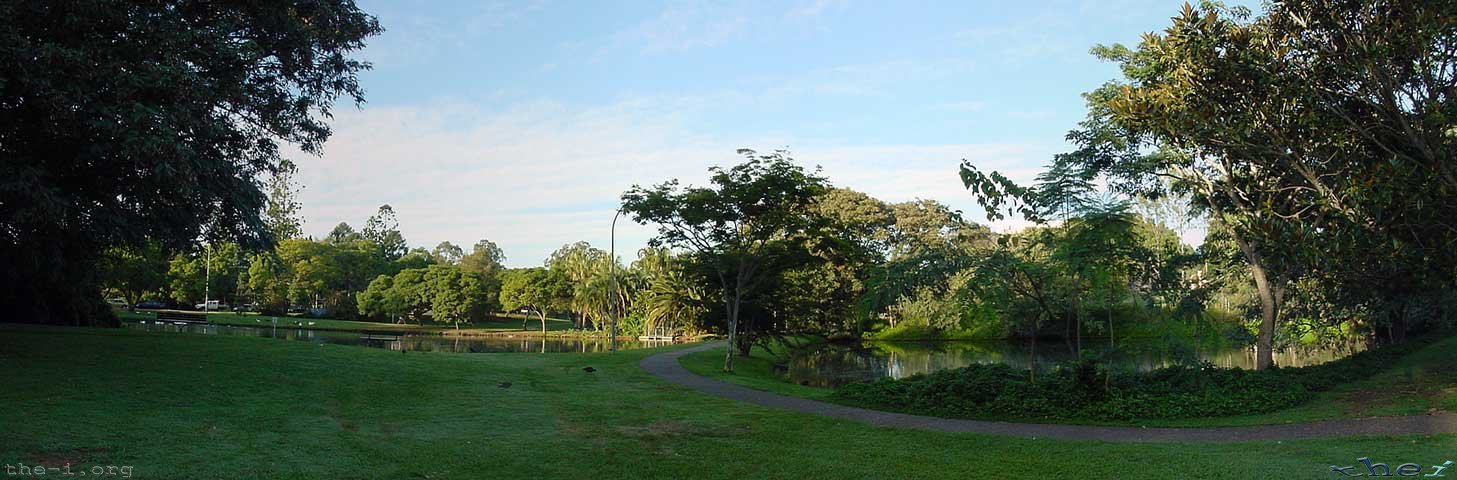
192,406
494,325
1419,383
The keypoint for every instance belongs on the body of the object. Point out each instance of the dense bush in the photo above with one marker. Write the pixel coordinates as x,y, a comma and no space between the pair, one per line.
1089,391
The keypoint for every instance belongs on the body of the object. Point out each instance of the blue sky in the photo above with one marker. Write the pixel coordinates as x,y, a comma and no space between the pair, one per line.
522,122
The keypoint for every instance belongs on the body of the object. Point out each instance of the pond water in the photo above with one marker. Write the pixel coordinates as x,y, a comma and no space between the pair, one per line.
835,364
412,342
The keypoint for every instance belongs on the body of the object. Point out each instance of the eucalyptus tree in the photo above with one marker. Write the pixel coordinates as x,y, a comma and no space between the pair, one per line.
125,122
744,229
485,259
446,253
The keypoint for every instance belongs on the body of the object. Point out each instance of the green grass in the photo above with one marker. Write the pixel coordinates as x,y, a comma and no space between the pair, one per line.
507,323
193,406
1419,383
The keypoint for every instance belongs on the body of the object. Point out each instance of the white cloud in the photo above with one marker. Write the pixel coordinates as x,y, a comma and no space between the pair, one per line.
535,177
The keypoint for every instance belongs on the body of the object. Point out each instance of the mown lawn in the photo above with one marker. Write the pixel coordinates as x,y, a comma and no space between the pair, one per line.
193,406
1423,382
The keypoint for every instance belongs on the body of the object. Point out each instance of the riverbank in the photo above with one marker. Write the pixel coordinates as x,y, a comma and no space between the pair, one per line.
496,326
237,407
1422,382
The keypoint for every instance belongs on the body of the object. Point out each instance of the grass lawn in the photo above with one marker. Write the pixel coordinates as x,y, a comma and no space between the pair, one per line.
1422,382
193,406
494,324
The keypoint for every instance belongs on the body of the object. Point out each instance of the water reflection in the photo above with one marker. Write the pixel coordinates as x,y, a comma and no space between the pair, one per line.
838,364
415,342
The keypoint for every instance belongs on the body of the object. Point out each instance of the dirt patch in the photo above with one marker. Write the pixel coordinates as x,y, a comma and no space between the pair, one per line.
1361,403
660,428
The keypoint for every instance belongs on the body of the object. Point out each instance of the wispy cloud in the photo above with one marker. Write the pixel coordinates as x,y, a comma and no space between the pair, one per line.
541,175
415,36
690,25
684,26
812,9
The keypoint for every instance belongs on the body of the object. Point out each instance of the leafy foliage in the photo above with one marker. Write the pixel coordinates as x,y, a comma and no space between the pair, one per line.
104,148
754,222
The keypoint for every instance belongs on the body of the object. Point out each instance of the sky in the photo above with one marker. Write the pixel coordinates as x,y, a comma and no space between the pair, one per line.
523,122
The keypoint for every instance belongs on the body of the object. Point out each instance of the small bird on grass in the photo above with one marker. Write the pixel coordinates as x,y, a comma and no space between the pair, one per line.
588,369
504,384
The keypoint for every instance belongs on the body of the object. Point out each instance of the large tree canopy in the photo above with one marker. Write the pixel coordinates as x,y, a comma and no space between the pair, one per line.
1316,137
750,224
124,121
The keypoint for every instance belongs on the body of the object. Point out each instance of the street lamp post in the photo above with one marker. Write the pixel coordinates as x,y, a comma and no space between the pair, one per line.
612,277
207,281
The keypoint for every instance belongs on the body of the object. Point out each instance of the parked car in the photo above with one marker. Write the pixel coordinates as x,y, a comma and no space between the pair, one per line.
117,302
151,305
211,305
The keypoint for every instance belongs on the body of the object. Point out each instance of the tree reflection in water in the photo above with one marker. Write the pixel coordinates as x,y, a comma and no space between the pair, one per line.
418,343
835,364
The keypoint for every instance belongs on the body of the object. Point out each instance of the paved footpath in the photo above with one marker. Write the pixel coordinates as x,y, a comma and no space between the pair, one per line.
665,366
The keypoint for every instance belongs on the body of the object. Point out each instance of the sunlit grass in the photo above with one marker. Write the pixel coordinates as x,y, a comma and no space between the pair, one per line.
194,406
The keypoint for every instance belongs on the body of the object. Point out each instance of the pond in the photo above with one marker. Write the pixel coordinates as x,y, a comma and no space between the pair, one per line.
411,342
834,364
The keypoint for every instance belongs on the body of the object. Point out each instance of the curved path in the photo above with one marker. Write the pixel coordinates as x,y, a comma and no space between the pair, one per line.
665,366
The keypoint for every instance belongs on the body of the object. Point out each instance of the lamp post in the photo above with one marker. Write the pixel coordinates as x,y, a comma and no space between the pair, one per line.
207,280
612,277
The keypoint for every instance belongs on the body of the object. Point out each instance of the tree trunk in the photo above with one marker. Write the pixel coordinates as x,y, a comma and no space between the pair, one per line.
1269,305
732,305
1033,359
1399,326
542,313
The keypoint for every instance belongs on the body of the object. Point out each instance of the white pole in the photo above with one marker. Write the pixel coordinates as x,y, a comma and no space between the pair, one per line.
207,281
612,277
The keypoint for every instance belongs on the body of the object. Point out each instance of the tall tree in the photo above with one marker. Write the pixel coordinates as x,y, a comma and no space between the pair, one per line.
128,121
485,259
744,228
281,216
383,229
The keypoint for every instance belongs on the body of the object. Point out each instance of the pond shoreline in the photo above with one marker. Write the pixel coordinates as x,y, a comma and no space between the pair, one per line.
502,342
297,323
